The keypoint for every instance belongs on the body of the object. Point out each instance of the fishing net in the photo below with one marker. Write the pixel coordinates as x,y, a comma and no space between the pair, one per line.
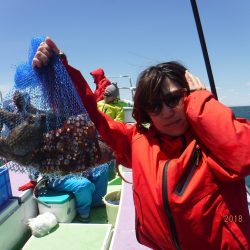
44,125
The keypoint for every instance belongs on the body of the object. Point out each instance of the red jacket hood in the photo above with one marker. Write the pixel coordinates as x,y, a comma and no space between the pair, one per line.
98,75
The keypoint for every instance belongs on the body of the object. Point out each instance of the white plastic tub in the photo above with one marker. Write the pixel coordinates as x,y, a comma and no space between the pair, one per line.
61,204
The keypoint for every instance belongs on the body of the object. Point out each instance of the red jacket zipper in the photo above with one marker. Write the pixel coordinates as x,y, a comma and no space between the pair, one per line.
179,190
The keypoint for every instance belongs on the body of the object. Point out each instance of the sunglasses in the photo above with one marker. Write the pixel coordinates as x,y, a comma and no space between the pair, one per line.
171,100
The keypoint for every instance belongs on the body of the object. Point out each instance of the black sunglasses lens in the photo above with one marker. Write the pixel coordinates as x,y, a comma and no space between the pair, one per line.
154,108
172,100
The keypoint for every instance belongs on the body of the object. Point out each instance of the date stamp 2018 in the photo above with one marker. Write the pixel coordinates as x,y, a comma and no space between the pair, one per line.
238,218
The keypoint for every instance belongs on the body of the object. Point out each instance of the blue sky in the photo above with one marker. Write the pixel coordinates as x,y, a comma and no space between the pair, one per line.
125,37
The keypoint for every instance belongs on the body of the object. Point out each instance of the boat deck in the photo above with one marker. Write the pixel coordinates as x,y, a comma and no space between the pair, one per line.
124,237
73,236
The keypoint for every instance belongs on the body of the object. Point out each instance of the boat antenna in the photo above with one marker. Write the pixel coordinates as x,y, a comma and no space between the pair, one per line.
204,47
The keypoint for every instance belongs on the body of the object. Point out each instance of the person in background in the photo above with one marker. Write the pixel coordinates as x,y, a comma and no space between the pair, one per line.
101,82
111,105
22,103
189,165
88,191
18,105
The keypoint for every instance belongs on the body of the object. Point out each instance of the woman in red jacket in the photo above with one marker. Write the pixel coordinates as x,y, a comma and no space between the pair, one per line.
101,81
189,156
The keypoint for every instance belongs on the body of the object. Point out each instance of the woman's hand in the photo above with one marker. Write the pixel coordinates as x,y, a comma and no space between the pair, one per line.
44,53
194,82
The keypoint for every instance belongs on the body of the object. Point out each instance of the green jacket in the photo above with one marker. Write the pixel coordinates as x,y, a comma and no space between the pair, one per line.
114,109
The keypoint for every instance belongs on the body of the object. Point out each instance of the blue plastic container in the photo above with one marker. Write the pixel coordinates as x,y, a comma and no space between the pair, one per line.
5,187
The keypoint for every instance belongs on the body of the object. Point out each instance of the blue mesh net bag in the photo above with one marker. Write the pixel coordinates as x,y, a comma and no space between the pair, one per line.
44,125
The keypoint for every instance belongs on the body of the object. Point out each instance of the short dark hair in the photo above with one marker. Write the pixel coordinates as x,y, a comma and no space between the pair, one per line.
149,87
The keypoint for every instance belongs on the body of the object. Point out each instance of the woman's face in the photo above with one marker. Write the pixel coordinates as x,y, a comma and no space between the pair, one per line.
171,121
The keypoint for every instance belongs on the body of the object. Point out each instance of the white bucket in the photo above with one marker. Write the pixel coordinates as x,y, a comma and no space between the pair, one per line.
112,200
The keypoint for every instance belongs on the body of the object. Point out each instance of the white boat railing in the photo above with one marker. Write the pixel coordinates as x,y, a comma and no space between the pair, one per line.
131,87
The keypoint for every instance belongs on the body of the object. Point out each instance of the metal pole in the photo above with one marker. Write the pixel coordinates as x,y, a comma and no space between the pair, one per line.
204,47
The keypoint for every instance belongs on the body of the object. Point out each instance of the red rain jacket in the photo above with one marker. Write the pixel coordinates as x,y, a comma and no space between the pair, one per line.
182,201
101,83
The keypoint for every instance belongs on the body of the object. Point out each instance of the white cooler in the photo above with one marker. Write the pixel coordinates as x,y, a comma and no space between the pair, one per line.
61,204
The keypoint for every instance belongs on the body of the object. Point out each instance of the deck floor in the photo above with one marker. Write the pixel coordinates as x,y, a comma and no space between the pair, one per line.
73,236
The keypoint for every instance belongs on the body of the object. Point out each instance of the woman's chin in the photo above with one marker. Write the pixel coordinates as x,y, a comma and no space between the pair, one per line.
175,131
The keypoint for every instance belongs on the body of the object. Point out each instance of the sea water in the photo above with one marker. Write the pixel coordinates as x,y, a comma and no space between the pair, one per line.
242,111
